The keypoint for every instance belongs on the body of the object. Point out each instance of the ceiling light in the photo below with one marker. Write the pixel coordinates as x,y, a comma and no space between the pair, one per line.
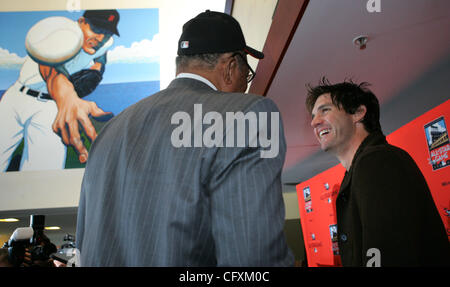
52,228
361,41
9,219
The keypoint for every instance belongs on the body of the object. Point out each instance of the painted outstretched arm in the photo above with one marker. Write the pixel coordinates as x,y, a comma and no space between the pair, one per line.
72,111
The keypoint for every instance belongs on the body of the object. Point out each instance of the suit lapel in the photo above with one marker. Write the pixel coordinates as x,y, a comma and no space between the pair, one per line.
374,138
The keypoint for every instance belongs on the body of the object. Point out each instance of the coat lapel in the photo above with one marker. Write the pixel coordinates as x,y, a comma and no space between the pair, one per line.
373,138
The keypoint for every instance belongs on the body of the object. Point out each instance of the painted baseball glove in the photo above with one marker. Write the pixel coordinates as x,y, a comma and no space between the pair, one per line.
85,81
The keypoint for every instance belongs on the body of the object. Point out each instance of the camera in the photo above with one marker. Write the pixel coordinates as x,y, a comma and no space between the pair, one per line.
67,252
34,239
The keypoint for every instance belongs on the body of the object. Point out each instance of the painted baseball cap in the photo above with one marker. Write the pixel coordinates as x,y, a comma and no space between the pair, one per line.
105,19
213,32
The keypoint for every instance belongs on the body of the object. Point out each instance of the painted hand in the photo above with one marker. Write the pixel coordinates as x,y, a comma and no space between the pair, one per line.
72,112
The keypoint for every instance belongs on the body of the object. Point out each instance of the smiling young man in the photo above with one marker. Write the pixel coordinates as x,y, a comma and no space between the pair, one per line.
384,202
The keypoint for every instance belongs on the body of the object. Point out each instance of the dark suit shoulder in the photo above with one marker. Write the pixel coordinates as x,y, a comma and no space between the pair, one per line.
386,177
383,168
384,153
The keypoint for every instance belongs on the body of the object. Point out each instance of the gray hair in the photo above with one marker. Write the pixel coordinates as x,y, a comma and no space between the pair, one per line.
205,61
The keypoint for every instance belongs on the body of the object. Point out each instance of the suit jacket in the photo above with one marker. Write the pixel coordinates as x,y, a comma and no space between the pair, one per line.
145,202
384,202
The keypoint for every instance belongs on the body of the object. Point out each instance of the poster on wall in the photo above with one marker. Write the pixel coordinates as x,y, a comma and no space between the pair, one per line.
110,58
307,196
319,225
438,143
431,153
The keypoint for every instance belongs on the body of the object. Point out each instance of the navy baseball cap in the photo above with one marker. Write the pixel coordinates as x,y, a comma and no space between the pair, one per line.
104,19
213,32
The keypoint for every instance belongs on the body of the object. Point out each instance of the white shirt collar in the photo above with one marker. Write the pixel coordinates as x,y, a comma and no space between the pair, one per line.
196,77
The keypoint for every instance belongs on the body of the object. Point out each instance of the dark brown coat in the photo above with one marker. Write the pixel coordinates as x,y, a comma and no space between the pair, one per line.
384,202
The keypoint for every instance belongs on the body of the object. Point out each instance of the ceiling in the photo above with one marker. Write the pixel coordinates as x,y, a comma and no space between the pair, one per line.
408,47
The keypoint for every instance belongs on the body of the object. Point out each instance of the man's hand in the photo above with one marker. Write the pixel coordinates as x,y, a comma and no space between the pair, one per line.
28,262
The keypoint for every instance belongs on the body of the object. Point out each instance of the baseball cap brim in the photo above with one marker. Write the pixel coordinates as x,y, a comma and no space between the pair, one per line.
105,25
254,53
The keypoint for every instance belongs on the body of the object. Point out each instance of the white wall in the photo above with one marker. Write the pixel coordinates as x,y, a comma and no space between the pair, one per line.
255,17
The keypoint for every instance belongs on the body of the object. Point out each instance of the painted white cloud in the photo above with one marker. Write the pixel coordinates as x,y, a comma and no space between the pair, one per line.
145,51
10,60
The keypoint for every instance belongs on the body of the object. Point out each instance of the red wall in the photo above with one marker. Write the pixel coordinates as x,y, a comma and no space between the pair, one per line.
318,212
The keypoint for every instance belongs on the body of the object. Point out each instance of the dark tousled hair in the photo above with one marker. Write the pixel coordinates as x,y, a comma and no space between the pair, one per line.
349,96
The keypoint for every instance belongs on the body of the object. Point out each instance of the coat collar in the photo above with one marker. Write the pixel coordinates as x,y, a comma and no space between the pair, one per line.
190,82
196,77
373,138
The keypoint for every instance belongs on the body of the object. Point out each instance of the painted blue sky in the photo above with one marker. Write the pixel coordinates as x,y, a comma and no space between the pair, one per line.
134,56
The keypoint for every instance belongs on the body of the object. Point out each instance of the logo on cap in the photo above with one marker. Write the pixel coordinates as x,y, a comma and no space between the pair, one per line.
111,18
184,44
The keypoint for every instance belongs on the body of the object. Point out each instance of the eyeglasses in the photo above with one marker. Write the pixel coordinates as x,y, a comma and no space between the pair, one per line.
251,73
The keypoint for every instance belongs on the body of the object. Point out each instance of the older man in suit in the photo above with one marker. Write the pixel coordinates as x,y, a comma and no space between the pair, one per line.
152,196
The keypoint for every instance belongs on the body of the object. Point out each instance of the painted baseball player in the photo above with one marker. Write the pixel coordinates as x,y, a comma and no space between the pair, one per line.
45,106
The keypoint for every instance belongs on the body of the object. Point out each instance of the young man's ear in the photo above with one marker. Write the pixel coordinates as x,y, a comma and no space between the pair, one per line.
359,114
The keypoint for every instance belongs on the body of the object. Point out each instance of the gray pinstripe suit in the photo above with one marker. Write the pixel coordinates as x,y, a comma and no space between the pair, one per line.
146,203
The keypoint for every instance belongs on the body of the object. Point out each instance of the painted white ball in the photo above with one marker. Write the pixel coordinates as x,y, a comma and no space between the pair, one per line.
54,40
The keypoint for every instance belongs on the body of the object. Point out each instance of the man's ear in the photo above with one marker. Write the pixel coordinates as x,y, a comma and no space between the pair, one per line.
359,114
220,75
230,69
